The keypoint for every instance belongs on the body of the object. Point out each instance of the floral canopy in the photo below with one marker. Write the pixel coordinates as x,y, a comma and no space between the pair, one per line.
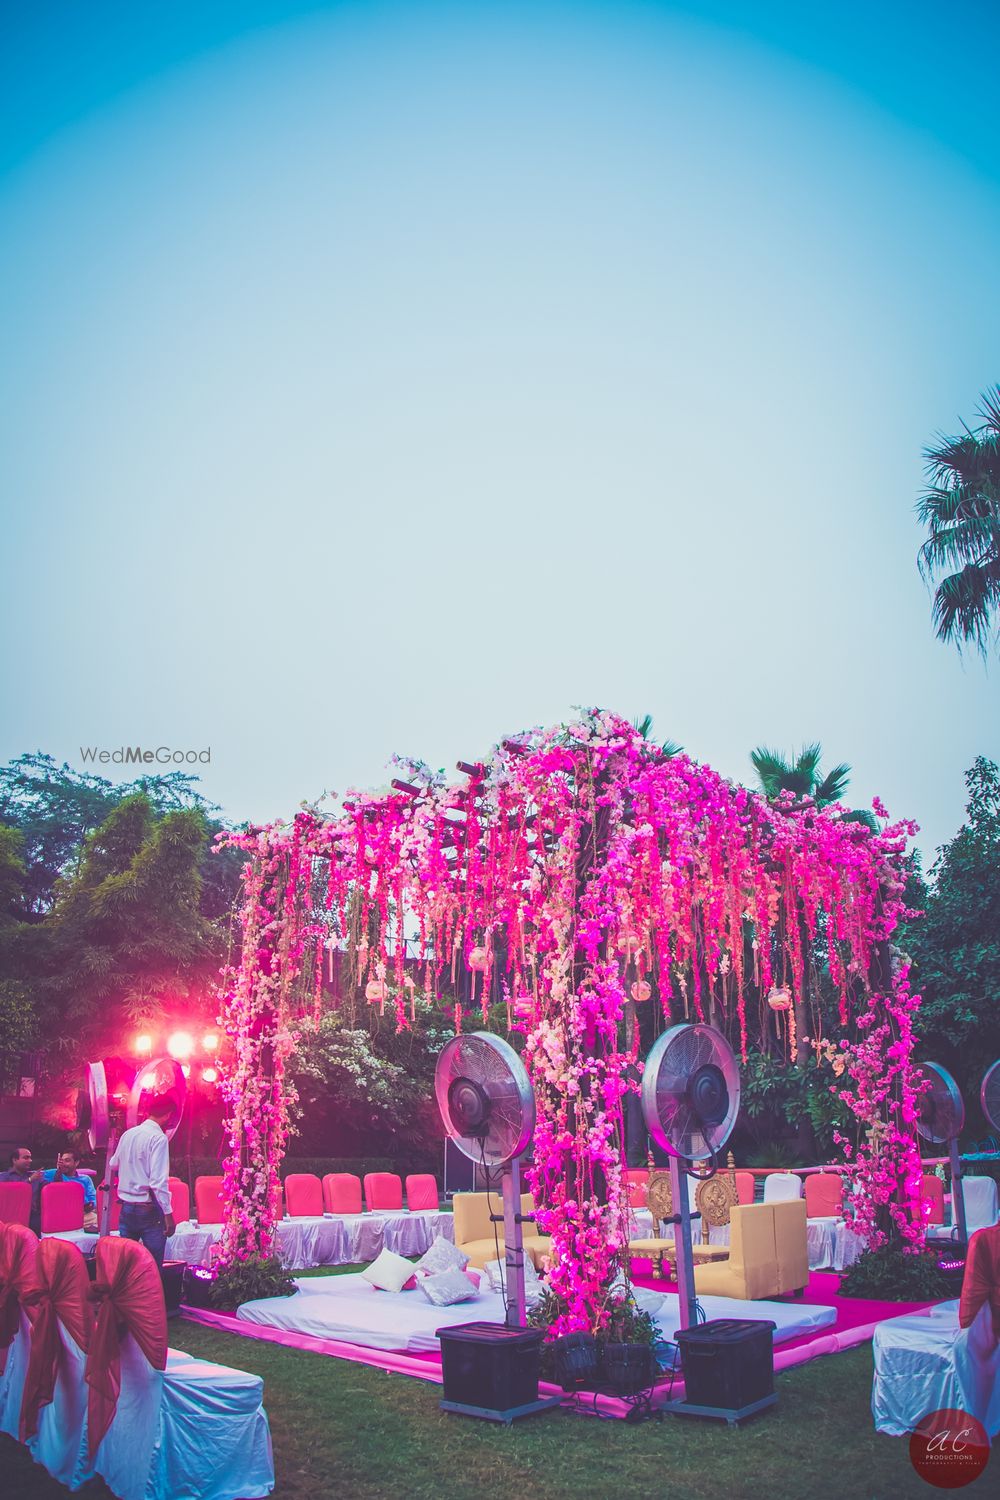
580,873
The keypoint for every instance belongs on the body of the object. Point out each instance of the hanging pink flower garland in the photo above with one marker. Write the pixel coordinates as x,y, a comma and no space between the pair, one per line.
576,855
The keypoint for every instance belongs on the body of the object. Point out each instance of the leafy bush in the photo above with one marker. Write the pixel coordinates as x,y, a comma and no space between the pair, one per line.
890,1275
246,1280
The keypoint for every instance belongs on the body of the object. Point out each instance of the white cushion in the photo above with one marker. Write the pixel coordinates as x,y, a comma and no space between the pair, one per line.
388,1271
496,1274
448,1287
442,1255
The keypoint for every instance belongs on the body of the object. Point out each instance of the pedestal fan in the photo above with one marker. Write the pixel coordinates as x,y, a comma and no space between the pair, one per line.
690,1099
940,1122
488,1109
989,1095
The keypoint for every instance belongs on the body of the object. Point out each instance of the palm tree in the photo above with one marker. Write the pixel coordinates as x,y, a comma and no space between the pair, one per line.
961,510
644,728
778,774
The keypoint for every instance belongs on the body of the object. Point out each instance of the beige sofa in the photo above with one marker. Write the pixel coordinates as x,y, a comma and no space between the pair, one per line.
474,1233
768,1255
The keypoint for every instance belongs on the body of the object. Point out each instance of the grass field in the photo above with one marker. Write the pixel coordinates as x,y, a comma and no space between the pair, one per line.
355,1433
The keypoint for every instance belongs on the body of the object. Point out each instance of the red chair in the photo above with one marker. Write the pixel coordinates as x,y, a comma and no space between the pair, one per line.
180,1199
116,1210
932,1197
208,1199
422,1192
824,1195
15,1203
383,1192
745,1184
62,1206
636,1186
342,1193
304,1195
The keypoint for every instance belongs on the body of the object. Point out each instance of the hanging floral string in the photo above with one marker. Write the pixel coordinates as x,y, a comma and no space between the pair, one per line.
575,872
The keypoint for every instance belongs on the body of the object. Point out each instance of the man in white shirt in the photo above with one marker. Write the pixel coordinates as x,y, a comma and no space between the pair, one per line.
142,1161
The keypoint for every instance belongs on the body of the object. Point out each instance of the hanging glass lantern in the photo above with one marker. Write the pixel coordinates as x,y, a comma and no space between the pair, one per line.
780,997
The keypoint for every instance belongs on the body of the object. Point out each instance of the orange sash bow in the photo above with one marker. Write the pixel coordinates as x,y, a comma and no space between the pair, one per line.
60,1296
17,1277
129,1297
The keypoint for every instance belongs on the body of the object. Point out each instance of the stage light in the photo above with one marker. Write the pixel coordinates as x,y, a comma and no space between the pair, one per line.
180,1045
209,1042
186,1069
209,1075
144,1044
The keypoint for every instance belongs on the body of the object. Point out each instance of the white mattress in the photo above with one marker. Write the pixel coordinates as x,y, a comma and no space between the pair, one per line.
350,1310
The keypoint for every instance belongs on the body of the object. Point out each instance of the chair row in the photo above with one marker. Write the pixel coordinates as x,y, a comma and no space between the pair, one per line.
304,1196
823,1191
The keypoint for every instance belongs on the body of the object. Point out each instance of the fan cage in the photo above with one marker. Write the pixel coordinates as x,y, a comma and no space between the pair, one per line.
495,1067
942,1112
989,1095
674,1063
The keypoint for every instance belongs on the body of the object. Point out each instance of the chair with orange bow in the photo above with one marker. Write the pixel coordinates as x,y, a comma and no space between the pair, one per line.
161,1424
54,1402
18,1248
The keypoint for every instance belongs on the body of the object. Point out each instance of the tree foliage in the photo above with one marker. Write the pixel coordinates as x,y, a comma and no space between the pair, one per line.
961,510
955,947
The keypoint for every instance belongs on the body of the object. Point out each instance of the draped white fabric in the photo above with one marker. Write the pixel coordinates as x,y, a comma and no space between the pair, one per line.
925,1364
12,1379
58,1443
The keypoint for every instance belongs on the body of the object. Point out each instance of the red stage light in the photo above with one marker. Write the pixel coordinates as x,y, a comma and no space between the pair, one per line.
209,1075
180,1045
144,1044
209,1042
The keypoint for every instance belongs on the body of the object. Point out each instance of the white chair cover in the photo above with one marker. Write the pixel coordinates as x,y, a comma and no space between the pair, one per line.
981,1209
779,1187
196,1431
12,1379
925,1364
58,1445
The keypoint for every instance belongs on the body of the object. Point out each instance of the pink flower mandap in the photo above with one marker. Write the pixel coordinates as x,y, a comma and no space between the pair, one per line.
579,870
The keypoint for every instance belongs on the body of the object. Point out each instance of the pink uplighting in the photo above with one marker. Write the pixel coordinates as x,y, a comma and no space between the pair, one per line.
209,1042
180,1044
144,1044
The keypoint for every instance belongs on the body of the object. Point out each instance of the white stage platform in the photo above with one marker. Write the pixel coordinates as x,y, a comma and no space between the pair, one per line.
350,1310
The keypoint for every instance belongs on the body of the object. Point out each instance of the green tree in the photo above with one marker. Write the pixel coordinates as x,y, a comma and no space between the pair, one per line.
955,946
125,930
18,1018
961,510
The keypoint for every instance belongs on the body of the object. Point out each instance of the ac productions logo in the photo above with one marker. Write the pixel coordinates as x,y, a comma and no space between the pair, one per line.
134,755
949,1448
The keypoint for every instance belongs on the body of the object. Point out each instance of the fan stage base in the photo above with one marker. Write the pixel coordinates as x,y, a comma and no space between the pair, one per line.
729,1414
492,1414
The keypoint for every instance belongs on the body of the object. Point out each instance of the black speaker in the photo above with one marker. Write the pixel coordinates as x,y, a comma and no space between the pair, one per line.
172,1276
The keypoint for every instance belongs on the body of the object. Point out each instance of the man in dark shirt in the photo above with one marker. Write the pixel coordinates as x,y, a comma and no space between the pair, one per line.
20,1166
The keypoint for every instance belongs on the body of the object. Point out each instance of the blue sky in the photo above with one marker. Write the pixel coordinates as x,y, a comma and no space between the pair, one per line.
388,377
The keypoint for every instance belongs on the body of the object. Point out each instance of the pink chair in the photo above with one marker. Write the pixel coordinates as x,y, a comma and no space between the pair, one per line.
636,1186
383,1192
342,1193
62,1206
304,1195
15,1203
745,1183
208,1199
422,1192
824,1195
180,1199
116,1210
932,1197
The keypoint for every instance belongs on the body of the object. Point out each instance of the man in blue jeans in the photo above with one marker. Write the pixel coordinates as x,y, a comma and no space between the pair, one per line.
142,1161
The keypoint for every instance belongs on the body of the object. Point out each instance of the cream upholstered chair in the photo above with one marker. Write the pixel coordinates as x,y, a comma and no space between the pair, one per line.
477,1236
768,1254
780,1186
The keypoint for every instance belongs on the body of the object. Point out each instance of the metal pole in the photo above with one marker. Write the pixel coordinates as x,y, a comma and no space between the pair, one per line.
517,1316
682,1243
957,1191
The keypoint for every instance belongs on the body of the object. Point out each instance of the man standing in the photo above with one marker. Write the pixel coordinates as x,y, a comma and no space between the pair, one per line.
67,1169
142,1162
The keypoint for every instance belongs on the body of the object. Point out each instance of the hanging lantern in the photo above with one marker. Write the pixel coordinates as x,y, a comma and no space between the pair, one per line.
524,1007
629,942
375,991
640,992
780,997
479,960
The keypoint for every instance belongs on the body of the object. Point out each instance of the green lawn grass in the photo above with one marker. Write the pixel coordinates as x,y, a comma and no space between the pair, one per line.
352,1431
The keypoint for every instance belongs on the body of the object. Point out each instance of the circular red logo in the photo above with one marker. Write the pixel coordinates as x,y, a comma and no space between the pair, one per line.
949,1448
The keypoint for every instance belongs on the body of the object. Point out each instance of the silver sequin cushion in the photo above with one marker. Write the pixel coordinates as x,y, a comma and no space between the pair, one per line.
448,1287
442,1256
